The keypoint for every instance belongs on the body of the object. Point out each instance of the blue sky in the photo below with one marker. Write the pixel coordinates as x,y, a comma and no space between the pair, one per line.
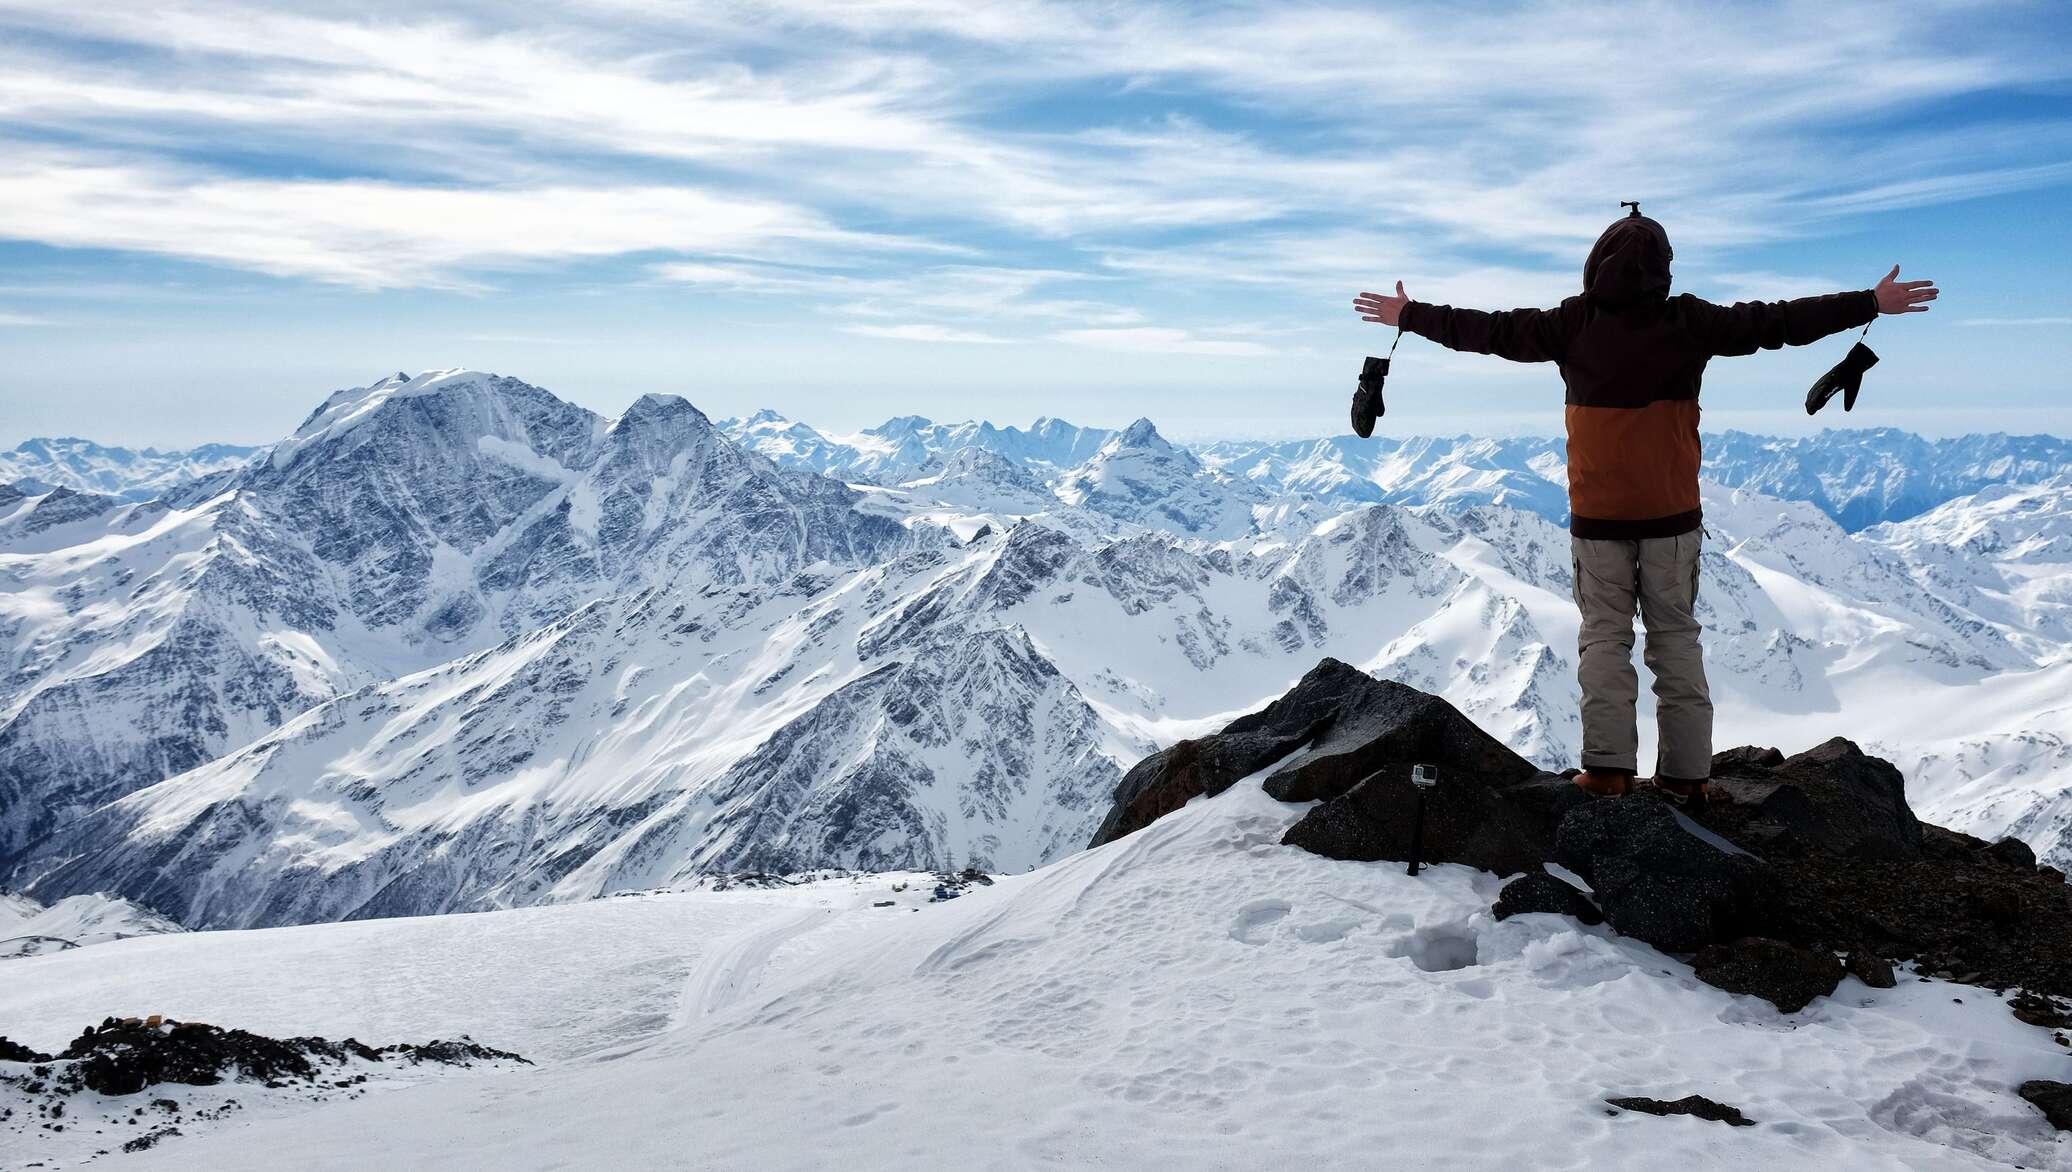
211,214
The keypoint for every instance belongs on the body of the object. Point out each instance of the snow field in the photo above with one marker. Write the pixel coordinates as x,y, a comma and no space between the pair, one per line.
1196,996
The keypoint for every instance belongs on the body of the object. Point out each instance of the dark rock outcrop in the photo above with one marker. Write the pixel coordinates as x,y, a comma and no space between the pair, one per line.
2054,1099
2015,853
1466,820
1785,975
1537,891
1359,737
1813,855
1660,877
1698,1105
1170,778
1830,799
1369,724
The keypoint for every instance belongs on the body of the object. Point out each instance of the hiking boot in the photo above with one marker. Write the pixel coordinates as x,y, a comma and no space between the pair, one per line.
1605,783
1691,797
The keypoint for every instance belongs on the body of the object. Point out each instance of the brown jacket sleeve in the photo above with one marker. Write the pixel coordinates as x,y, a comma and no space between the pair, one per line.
1748,326
1521,335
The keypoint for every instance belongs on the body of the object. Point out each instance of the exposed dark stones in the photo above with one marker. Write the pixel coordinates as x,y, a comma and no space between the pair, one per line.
1785,975
1697,1105
1661,878
1537,891
1870,968
2039,1010
122,1057
2054,1099
13,1051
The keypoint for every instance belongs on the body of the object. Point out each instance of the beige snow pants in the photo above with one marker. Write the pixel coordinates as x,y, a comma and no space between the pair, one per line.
1660,576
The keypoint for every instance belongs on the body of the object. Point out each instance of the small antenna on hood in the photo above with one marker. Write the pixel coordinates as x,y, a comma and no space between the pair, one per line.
1631,203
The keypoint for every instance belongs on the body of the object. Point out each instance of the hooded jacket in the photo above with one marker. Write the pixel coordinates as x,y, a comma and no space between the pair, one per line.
1632,358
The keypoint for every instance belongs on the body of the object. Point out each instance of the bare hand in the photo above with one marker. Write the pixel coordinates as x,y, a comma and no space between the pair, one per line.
1387,310
1897,296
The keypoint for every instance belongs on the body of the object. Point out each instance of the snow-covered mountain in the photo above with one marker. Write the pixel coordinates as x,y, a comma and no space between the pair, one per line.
1140,478
28,928
457,644
404,524
130,474
910,447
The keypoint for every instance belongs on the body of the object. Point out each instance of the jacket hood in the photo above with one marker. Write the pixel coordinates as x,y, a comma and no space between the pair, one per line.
1629,264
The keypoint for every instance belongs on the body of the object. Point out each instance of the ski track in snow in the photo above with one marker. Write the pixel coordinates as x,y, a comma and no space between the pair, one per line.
1198,996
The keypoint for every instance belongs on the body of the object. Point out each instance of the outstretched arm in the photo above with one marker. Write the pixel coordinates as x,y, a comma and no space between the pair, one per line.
1521,335
1748,326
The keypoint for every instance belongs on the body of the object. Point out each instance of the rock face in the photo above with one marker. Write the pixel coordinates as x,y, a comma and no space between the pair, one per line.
1661,878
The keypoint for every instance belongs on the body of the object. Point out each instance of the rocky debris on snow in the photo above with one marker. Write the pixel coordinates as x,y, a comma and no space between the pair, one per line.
2038,1009
1697,1105
124,1056
950,885
94,1082
1661,878
1801,859
1785,975
1538,891
2054,1099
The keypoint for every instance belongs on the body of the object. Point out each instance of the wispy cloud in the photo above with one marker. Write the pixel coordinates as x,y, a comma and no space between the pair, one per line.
22,319
1099,165
1163,340
2015,321
924,332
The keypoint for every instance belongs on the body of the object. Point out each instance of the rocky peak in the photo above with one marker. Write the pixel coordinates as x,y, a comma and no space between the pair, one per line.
1798,859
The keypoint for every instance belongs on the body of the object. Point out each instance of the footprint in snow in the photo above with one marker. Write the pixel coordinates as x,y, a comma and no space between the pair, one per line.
1256,917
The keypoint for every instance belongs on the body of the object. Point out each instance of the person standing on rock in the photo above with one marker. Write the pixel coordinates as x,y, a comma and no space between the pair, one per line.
1632,357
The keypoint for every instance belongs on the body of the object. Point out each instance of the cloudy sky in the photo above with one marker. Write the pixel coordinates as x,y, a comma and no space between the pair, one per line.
212,214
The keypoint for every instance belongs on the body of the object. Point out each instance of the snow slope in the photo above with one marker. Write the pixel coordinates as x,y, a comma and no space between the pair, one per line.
1191,996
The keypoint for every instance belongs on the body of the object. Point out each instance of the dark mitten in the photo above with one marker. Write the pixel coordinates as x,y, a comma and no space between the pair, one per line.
1367,404
1846,377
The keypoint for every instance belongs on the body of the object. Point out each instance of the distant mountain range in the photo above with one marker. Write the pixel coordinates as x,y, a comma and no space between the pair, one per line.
130,474
1859,477
457,643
